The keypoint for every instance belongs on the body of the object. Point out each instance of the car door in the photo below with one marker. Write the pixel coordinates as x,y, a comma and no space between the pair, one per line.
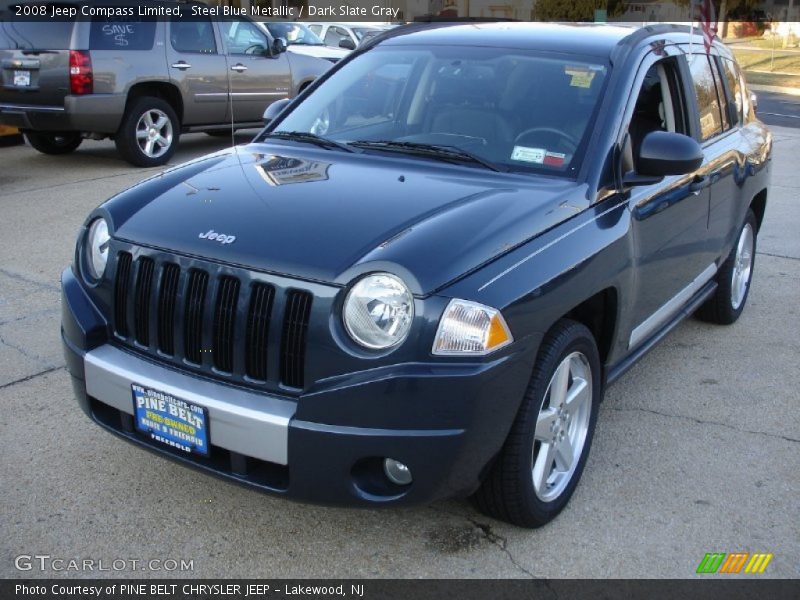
669,218
198,68
257,76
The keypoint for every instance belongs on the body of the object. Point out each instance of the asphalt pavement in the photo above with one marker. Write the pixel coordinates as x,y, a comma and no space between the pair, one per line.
779,109
697,448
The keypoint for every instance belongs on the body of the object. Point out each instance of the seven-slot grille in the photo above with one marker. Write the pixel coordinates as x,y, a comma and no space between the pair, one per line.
221,324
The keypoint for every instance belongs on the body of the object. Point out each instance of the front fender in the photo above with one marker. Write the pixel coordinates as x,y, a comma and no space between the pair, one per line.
541,281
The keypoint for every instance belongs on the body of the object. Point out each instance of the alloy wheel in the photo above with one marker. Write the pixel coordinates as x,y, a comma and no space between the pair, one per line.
154,133
742,266
562,426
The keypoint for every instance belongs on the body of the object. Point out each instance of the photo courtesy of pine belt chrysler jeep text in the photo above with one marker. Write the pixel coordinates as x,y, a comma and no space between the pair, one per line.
420,277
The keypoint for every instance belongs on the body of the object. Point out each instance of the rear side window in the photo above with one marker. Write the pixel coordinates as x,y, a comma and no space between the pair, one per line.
193,36
38,35
117,34
705,90
734,86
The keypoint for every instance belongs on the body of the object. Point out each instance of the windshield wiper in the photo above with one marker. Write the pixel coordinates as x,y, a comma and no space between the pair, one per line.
311,138
443,152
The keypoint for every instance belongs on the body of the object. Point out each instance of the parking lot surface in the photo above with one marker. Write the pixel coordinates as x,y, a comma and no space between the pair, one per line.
697,448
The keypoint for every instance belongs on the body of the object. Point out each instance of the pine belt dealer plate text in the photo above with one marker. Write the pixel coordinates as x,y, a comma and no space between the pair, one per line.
22,78
170,420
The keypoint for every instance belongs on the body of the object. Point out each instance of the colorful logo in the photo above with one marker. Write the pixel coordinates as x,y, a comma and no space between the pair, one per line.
720,562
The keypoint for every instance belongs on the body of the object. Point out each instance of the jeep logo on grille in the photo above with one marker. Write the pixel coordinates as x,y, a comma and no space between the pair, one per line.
220,237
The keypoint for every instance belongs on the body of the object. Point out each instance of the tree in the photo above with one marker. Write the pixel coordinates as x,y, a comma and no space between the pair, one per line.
739,8
576,10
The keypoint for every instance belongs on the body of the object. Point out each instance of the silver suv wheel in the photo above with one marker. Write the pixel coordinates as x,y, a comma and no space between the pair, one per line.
562,426
154,133
743,262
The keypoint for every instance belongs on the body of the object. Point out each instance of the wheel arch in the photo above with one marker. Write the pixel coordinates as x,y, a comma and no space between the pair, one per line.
159,89
301,87
759,206
599,314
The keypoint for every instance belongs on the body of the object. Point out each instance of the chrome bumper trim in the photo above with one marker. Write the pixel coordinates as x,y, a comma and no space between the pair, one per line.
15,108
252,424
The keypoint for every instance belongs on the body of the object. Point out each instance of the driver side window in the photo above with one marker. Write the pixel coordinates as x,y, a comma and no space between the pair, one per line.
659,107
244,37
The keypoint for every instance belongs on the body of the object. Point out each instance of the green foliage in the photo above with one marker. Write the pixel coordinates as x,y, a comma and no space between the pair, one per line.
575,10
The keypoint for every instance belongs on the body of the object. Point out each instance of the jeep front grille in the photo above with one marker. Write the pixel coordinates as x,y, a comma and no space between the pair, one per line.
218,320
193,324
258,318
141,301
170,273
224,320
293,340
121,293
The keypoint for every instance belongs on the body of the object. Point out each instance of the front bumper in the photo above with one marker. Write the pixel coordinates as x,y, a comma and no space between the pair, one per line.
267,441
93,113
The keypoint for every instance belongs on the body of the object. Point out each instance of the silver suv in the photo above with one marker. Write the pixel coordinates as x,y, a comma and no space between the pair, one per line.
142,82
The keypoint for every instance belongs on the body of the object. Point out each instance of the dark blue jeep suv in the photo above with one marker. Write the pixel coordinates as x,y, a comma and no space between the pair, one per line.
418,280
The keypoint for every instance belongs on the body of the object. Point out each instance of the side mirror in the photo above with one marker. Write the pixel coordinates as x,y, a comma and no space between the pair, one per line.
274,109
666,153
279,45
347,44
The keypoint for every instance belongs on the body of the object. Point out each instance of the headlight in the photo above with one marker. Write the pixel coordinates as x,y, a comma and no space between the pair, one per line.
97,249
378,311
469,328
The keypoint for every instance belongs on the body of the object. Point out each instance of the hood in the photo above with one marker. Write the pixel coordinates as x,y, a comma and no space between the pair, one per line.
326,52
329,216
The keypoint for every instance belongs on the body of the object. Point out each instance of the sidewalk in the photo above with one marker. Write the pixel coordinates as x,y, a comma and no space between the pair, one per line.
776,89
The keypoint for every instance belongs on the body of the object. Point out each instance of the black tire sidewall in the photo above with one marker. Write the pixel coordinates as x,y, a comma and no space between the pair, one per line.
126,141
574,337
45,142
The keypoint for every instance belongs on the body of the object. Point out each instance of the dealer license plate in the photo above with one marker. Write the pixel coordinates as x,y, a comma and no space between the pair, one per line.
22,78
170,420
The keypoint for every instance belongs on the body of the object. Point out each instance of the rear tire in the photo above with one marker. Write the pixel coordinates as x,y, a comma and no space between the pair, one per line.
536,473
54,142
149,132
733,278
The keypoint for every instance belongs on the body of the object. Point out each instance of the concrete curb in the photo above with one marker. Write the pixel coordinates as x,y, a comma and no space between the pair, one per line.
792,91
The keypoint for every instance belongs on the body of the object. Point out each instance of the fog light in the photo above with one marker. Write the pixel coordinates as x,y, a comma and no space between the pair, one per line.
397,472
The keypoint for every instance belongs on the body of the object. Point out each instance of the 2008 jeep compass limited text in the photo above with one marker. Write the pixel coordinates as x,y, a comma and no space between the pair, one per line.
419,278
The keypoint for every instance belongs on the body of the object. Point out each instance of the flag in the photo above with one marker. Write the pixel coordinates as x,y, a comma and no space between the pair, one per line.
708,23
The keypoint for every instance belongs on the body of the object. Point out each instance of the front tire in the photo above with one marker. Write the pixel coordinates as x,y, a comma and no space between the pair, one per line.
149,132
545,452
734,278
54,142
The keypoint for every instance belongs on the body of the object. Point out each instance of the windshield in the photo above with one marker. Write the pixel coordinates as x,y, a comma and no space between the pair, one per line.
515,109
296,34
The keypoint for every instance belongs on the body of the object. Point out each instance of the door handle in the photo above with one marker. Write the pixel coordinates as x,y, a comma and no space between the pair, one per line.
182,65
699,183
239,68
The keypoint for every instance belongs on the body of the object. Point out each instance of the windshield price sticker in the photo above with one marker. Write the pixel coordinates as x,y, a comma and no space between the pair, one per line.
531,155
580,76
